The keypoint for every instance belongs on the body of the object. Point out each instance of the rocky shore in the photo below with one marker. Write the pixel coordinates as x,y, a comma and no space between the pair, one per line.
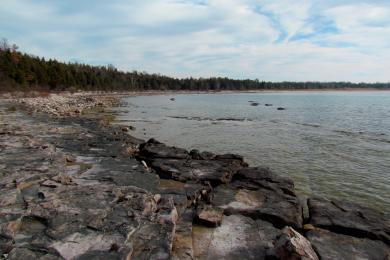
73,187
61,105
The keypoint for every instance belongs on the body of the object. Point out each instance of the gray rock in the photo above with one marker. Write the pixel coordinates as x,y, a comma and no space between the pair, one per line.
331,246
155,149
349,219
25,253
238,237
292,245
216,172
279,209
196,155
264,178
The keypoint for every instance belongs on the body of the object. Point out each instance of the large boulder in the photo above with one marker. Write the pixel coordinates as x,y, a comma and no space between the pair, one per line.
349,219
331,246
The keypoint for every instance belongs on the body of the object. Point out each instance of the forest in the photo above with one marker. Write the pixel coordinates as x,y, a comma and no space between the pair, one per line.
24,72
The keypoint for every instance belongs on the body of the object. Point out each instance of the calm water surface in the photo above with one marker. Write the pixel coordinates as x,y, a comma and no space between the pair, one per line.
332,144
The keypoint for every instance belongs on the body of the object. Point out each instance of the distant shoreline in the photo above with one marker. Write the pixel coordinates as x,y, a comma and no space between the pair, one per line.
180,92
41,93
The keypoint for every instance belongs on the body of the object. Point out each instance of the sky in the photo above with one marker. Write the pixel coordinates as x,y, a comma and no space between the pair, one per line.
272,40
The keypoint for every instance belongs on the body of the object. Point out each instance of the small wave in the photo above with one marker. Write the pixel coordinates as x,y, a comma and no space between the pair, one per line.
135,120
196,118
348,133
370,136
310,125
382,140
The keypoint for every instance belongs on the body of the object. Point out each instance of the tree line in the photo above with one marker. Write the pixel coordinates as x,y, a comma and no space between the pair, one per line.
21,71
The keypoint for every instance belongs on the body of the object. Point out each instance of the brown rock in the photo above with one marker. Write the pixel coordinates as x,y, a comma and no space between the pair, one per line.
64,179
182,248
70,159
292,245
210,216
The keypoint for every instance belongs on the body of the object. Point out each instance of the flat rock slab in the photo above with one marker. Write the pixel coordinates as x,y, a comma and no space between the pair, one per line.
331,246
155,149
85,200
213,171
255,177
277,208
178,164
238,237
75,189
349,219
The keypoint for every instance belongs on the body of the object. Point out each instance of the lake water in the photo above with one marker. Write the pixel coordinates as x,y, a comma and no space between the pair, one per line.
332,144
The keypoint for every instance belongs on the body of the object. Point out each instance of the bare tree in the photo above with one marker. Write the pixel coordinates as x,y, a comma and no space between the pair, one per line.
4,46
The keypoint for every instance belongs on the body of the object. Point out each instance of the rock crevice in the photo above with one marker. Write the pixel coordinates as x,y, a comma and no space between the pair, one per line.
74,188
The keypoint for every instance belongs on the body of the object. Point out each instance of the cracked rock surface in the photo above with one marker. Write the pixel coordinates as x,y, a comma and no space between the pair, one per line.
74,188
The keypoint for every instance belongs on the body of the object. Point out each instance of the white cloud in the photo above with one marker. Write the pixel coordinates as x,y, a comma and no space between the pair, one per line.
271,40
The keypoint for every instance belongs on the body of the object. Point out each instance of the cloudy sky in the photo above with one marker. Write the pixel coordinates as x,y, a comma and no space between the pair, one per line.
276,40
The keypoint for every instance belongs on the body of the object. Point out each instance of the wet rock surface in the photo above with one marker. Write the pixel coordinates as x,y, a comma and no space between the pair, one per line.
349,219
77,188
330,245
